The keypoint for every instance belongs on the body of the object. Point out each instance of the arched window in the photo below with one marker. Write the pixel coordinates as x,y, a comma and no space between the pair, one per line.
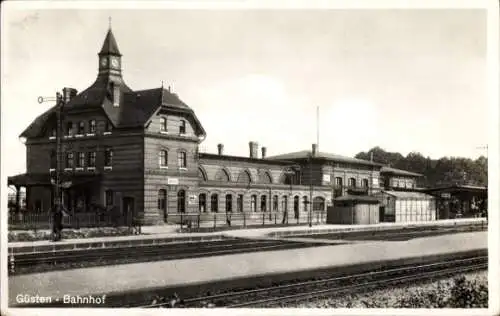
296,206
253,203
181,159
163,158
263,203
222,176
284,203
318,204
181,201
352,182
304,200
229,203
275,203
364,183
244,177
239,202
265,177
202,175
214,203
162,200
163,124
202,202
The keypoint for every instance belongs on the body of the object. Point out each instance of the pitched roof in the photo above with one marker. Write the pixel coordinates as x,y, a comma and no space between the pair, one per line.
399,172
357,199
304,154
109,47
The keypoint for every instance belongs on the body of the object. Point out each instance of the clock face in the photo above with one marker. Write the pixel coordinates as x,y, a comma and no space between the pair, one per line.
104,61
115,62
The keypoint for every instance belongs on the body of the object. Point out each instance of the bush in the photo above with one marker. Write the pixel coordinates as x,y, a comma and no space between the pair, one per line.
462,293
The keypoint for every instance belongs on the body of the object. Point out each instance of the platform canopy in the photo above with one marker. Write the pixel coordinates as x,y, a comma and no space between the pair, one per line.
459,190
45,179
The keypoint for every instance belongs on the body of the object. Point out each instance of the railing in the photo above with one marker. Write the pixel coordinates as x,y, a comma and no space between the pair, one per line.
213,221
33,221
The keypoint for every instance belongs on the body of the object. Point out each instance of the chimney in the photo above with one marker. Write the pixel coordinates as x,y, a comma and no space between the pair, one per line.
314,150
69,93
264,150
220,149
254,149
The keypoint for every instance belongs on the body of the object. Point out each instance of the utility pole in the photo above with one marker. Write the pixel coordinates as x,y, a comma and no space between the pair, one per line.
310,190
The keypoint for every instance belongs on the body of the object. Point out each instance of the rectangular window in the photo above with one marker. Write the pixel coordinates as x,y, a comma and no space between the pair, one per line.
163,158
80,162
108,127
108,157
181,159
109,197
69,129
338,181
81,128
69,160
92,127
163,124
91,159
182,127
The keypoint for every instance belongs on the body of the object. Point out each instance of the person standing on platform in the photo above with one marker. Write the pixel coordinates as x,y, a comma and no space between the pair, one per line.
57,226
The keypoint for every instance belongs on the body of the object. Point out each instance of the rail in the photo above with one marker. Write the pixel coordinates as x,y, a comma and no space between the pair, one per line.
328,286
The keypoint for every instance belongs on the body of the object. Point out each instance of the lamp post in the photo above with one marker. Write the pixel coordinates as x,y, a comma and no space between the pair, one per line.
59,202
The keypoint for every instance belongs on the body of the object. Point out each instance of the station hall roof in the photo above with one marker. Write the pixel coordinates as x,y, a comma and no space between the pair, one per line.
399,172
305,154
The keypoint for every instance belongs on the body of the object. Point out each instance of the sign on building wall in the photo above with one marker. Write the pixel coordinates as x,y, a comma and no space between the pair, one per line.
375,181
192,199
326,178
172,181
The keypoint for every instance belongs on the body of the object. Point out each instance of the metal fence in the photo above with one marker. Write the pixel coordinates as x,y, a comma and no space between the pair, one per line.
207,221
33,221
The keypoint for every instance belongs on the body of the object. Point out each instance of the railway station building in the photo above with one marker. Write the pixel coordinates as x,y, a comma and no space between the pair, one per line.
137,152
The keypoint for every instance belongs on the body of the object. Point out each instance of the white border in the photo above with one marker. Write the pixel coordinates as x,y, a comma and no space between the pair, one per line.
493,84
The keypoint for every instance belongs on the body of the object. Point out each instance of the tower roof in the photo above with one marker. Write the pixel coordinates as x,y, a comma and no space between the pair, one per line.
109,46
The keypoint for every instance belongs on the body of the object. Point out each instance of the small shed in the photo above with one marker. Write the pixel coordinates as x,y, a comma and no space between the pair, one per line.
354,209
407,206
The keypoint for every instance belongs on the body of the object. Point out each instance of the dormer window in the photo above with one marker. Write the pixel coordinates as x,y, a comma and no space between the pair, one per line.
163,124
182,127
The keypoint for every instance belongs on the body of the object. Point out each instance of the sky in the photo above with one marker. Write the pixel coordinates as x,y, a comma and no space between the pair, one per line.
404,80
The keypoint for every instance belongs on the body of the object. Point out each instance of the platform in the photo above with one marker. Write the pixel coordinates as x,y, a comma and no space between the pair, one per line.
157,235
139,276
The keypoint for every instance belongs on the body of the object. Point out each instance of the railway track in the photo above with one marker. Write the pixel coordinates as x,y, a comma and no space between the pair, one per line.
312,289
405,234
130,254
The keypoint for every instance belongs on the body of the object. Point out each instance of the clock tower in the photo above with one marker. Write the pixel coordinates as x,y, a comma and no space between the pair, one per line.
110,57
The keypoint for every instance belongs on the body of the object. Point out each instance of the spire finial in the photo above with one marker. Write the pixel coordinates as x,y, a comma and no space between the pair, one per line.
162,84
109,21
